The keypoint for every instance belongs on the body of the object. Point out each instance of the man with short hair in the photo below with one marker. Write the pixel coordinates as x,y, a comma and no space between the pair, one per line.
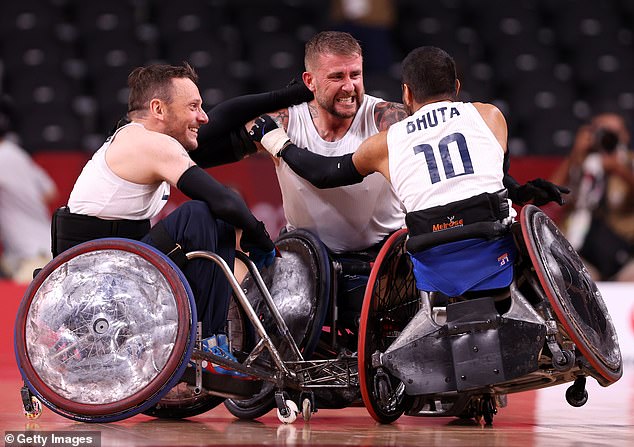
128,181
446,159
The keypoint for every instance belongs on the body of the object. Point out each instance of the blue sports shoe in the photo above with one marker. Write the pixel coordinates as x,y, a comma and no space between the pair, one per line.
219,345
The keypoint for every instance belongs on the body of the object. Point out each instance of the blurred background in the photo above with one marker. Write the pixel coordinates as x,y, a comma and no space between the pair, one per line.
548,64
545,63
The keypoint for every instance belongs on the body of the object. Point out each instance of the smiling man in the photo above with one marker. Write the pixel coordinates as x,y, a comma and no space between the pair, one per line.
127,183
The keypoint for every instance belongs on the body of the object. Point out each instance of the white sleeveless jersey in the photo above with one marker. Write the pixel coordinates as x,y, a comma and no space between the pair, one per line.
443,153
346,218
101,193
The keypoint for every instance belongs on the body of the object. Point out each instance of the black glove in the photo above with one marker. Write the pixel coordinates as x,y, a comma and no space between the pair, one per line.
261,126
269,135
259,245
540,191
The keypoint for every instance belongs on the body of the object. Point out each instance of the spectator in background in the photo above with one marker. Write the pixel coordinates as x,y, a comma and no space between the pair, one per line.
25,194
599,219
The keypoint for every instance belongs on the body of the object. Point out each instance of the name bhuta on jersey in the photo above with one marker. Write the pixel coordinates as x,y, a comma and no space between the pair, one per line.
432,118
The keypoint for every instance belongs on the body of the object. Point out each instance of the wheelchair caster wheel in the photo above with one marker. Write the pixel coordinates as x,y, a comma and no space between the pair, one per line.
576,397
486,410
307,410
36,409
288,413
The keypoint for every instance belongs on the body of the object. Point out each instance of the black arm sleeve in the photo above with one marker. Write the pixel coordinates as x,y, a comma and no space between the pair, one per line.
216,150
224,204
509,182
224,139
237,111
322,172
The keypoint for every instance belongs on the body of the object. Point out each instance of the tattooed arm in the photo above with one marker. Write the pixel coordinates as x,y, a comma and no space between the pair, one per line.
388,113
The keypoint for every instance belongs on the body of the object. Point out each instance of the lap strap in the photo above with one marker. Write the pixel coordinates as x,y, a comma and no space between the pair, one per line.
484,207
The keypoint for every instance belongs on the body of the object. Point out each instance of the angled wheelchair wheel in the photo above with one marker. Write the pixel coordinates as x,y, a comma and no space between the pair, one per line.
573,295
299,283
181,402
105,330
253,407
390,302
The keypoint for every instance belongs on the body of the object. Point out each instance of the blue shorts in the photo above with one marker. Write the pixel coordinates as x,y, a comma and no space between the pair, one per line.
471,264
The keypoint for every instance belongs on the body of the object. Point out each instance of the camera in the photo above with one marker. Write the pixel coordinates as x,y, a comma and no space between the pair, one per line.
606,140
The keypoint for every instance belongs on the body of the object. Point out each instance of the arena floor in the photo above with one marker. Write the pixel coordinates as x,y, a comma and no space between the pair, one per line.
538,418
531,419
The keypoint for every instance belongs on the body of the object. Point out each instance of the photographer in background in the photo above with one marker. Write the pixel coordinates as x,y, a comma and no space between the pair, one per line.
599,218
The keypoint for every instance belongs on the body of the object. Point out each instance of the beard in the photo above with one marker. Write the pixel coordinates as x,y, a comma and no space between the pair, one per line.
331,106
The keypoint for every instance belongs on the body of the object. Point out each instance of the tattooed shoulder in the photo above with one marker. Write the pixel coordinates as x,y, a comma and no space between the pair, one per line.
388,113
280,117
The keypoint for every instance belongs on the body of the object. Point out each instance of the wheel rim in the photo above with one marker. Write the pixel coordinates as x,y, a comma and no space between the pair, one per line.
118,319
391,300
572,294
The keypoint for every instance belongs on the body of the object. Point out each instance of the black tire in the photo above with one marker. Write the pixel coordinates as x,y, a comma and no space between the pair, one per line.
573,295
254,407
305,328
390,302
120,288
175,408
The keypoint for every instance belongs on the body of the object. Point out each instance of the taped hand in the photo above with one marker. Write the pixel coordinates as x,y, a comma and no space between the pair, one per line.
267,132
262,258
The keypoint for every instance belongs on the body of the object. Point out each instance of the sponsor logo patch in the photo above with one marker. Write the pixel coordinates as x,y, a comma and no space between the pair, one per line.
452,223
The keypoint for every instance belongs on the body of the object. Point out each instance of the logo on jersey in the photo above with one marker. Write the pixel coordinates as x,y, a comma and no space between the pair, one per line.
452,223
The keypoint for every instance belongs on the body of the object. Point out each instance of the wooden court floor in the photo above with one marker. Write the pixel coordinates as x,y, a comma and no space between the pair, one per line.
541,418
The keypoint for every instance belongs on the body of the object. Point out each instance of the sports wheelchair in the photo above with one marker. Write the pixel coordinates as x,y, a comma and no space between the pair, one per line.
425,354
108,330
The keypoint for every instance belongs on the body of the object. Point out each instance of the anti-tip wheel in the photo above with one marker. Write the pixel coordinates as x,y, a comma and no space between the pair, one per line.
291,411
37,409
576,397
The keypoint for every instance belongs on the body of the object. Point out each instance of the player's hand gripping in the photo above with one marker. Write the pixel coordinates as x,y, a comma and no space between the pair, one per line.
266,132
541,192
258,244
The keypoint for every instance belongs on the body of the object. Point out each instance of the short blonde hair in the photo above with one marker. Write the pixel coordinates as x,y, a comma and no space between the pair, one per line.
330,42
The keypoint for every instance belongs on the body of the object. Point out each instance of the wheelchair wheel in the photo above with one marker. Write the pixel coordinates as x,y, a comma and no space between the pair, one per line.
105,330
299,284
181,402
254,407
572,294
390,302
